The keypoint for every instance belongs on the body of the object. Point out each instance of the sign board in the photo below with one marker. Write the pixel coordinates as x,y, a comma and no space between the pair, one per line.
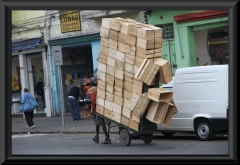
57,52
15,83
69,20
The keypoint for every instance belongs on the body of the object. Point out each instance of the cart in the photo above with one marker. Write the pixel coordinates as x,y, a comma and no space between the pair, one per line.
83,103
146,130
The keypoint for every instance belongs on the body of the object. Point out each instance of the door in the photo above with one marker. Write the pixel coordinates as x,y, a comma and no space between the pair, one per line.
169,54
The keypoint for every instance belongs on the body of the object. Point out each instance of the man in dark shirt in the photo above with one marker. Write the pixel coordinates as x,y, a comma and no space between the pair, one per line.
40,93
73,95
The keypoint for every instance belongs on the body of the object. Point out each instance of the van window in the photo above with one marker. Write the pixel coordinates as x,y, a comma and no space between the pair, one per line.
168,88
186,91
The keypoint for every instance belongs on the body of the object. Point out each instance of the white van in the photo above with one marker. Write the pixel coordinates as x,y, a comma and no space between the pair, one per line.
201,96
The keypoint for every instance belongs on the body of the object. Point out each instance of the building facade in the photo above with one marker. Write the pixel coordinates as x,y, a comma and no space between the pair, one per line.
193,37
29,56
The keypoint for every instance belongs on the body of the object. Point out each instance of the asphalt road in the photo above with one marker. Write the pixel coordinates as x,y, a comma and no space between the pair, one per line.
81,144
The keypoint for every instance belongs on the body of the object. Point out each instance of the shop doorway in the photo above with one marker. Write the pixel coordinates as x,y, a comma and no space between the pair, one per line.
77,65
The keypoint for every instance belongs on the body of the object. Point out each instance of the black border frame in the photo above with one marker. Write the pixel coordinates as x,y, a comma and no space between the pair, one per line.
5,68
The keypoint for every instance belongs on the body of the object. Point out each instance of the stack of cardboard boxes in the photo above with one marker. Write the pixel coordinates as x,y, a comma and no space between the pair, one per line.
130,55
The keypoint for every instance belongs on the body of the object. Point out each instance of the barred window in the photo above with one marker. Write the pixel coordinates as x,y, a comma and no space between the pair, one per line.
167,30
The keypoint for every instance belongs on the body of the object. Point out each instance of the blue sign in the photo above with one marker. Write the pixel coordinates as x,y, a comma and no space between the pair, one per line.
27,44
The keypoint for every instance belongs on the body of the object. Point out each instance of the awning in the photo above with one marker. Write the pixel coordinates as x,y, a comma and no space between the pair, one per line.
200,15
26,44
75,40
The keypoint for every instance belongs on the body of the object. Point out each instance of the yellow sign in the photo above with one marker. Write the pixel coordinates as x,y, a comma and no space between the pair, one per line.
15,83
69,20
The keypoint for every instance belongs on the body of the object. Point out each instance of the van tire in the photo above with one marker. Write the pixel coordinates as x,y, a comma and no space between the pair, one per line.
204,130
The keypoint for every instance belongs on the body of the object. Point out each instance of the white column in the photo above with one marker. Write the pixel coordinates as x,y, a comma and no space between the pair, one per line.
30,75
23,73
30,78
47,87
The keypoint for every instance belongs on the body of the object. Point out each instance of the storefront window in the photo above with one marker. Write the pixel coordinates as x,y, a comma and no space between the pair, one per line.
218,45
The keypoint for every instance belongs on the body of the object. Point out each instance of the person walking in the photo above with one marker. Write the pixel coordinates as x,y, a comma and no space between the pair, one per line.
73,95
97,120
40,93
28,115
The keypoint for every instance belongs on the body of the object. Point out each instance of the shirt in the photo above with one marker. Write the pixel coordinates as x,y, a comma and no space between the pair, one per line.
86,89
93,93
74,91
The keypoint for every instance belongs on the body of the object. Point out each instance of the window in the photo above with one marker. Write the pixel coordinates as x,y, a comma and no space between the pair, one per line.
167,30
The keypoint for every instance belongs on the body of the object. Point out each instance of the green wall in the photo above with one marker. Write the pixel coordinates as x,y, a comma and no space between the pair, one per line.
184,33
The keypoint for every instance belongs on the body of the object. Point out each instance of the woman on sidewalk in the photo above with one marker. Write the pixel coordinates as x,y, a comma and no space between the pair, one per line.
28,115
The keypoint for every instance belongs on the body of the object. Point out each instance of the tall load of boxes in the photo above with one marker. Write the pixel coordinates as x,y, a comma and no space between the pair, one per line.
130,55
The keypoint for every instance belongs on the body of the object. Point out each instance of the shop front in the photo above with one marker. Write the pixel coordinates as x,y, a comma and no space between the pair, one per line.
27,68
79,60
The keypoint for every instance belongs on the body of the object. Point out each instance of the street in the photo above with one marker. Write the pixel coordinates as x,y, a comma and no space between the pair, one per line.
82,144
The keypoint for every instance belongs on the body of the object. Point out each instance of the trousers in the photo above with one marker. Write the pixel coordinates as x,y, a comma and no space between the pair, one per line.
74,108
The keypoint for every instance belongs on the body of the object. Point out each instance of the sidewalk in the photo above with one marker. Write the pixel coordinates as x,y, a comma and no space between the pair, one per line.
48,125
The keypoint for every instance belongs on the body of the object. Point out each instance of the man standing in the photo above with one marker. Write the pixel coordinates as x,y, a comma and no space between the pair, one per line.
73,95
40,93
97,120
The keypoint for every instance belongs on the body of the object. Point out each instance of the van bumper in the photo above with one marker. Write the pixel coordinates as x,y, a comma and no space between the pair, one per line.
219,124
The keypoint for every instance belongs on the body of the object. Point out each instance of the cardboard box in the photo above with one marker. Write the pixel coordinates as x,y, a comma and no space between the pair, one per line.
102,67
168,117
112,44
110,79
143,70
119,65
100,101
120,56
131,50
112,52
104,41
145,33
141,105
126,112
159,94
117,109
100,109
165,71
135,118
118,91
133,125
113,34
111,61
125,121
104,32
157,111
106,23
107,113
101,93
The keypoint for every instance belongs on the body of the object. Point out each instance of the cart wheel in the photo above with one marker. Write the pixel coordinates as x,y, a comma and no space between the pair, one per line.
147,138
124,137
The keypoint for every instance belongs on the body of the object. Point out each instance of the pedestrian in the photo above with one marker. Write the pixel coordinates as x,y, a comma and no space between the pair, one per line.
87,86
40,93
97,120
28,115
73,95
